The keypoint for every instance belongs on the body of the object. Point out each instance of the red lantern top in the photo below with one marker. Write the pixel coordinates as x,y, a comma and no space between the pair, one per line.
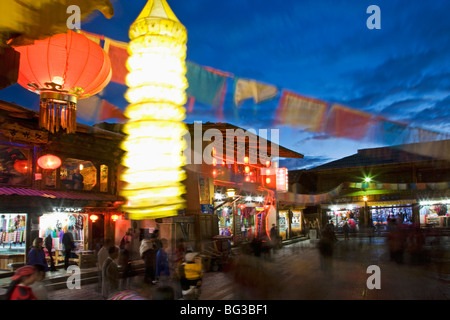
70,61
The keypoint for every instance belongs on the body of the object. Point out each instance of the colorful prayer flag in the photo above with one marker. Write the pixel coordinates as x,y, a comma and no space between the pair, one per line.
296,110
349,123
247,89
109,111
205,86
118,54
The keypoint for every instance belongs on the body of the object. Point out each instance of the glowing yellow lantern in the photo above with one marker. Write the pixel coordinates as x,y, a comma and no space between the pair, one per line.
154,144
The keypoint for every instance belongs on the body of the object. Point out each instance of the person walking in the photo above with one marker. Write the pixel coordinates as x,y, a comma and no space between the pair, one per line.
346,230
110,273
19,287
162,262
69,245
148,250
326,247
102,255
37,255
49,246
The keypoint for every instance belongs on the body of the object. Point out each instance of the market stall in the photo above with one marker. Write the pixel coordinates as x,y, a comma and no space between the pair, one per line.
434,213
56,224
12,239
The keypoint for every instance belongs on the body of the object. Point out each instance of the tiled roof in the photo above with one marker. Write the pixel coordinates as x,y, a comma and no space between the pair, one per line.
7,191
417,152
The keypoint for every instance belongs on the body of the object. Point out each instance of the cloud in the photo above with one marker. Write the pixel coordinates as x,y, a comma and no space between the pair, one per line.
306,163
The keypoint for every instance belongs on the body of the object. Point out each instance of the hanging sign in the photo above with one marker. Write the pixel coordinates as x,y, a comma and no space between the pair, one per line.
282,179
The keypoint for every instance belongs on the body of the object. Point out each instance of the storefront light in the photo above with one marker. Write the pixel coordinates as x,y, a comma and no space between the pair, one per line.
218,196
432,202
115,217
248,198
93,217
259,199
231,193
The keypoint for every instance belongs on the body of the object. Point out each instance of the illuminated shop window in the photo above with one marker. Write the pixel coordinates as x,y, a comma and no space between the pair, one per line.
76,174
14,165
103,178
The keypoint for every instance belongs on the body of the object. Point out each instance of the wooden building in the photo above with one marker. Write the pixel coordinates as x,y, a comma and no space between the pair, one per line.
409,182
37,201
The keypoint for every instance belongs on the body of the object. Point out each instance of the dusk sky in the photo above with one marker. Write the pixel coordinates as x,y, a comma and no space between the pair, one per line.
319,48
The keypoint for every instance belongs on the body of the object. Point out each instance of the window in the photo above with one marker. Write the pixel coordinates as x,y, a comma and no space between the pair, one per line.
103,178
14,165
76,174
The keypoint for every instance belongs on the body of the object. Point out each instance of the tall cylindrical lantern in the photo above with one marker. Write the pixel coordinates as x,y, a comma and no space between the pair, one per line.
154,144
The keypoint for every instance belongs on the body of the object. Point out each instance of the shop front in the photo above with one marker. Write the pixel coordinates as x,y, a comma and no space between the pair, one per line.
435,213
382,213
12,239
341,214
290,223
66,220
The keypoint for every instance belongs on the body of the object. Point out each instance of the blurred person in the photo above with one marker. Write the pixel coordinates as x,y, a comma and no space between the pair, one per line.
69,245
178,256
274,237
162,262
191,275
346,230
415,243
396,243
110,273
77,179
38,287
148,250
37,255
326,247
126,268
49,246
102,255
19,287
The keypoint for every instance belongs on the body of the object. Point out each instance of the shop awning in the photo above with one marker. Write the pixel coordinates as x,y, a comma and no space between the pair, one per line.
8,191
391,202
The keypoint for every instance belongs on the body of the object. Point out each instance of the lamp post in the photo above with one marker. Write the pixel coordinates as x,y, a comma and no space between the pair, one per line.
155,129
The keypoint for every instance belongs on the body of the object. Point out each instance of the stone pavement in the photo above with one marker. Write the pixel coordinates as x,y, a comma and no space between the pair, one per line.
296,272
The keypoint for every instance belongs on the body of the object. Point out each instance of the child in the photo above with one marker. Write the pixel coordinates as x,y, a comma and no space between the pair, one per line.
19,288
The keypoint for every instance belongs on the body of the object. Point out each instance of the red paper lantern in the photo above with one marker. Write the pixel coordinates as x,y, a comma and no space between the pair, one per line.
93,217
21,166
49,161
62,69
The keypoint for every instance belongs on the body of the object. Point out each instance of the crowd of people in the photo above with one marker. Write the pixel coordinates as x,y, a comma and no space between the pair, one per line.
167,275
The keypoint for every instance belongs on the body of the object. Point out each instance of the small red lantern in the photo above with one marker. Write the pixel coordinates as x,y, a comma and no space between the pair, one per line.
21,166
93,217
115,217
49,161
62,69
